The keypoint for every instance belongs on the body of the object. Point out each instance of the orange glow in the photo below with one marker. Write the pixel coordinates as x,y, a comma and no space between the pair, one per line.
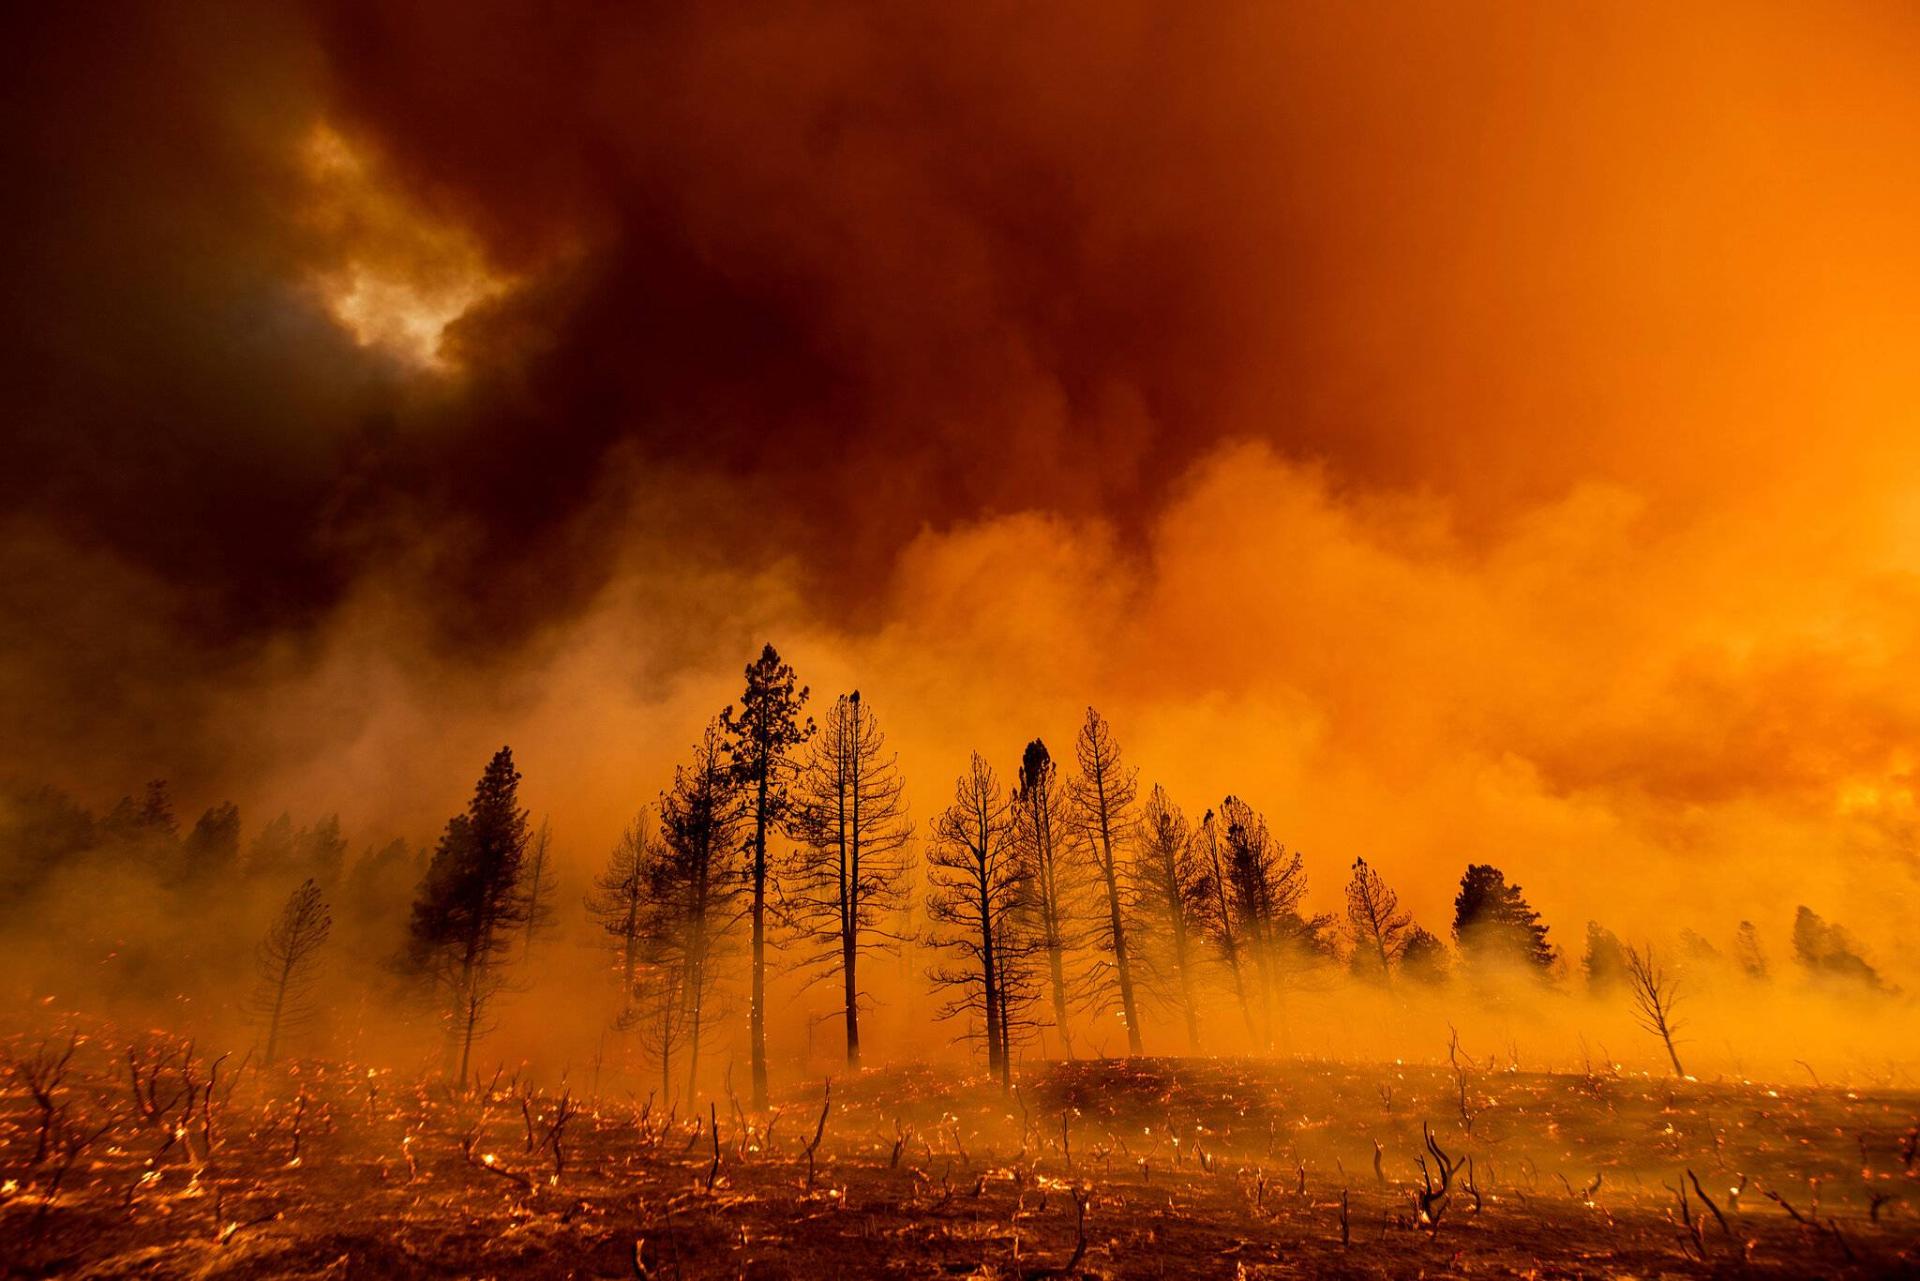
396,277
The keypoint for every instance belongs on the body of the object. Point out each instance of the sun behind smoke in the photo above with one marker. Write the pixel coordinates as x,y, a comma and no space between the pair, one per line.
395,275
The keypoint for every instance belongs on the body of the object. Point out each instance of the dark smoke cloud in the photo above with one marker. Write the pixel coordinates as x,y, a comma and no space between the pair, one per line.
801,283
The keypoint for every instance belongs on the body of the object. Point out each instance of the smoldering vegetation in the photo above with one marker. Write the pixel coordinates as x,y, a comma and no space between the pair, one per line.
153,1156
1059,1026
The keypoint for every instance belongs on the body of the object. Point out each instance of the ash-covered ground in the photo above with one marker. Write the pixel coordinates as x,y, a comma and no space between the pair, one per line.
146,1157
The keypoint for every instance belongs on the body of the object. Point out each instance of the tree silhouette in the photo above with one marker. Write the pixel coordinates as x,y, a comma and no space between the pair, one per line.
760,741
1176,900
1267,883
639,903
976,882
320,851
1219,919
1053,902
211,851
287,962
1424,958
156,810
1747,951
1494,923
1377,926
472,902
851,819
698,888
1605,961
1654,995
1829,954
42,830
1103,794
145,831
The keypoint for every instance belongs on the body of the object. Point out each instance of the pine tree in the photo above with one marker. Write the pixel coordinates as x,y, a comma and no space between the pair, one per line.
976,884
472,903
1746,947
1829,954
1267,883
1176,899
156,810
320,851
1424,958
1054,900
211,852
1103,796
42,830
1219,919
846,879
761,740
1377,926
270,854
287,961
1494,924
1605,961
146,832
697,890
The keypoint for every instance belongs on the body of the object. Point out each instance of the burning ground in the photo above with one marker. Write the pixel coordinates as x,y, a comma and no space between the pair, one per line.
150,1156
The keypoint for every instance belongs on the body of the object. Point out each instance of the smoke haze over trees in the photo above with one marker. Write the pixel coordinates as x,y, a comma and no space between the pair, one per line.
1398,445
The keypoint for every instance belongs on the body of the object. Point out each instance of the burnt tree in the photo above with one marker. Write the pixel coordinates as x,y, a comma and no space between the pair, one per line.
846,878
1055,898
1378,928
1176,899
1103,793
287,963
976,882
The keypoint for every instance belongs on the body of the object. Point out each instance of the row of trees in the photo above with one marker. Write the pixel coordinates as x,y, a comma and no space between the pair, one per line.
1052,901
46,833
1825,952
1055,903
677,886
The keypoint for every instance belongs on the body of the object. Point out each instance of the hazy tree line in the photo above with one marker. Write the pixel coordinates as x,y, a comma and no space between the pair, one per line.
1067,909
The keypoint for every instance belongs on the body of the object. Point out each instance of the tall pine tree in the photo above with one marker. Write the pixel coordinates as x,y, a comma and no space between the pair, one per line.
472,903
761,740
1494,924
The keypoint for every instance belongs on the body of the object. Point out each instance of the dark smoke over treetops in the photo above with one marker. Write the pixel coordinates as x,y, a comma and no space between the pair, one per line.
768,282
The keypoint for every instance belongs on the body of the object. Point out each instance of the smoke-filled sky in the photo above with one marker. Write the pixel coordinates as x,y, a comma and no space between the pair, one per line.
1469,432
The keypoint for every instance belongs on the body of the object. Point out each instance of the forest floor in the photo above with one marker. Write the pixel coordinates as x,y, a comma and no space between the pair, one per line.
1141,1168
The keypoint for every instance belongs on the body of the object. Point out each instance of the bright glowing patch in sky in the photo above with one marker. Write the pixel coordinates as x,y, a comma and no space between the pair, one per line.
393,274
